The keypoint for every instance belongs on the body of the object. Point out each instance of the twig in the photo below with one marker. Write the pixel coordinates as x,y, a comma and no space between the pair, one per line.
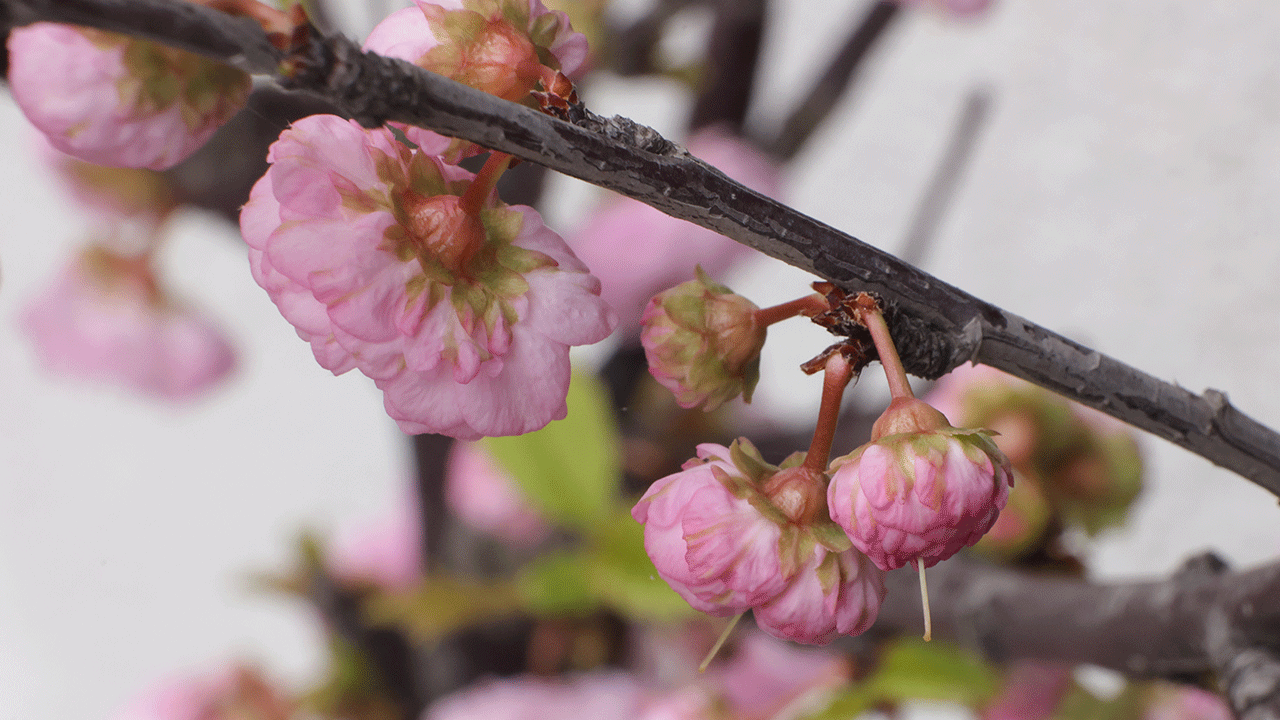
936,325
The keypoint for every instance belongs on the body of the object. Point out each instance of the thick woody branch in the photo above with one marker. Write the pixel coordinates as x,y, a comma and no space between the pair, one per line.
1201,620
936,325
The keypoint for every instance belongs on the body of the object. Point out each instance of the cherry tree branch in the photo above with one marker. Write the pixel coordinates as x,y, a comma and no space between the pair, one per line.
937,326
1203,619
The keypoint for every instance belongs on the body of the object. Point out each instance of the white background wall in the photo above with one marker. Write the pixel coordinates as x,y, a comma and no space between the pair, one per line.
1122,193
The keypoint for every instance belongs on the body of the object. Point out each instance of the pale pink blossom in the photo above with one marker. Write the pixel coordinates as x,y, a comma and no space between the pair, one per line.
113,100
463,317
956,8
920,490
715,534
765,674
106,319
1031,691
1184,702
386,551
702,342
485,496
226,694
477,43
603,695
638,251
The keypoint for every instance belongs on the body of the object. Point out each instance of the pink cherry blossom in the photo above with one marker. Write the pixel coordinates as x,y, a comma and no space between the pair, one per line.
106,319
590,695
386,551
766,674
920,490
487,498
1178,702
463,317
112,100
475,42
717,538
712,547
638,251
226,694
1032,691
703,343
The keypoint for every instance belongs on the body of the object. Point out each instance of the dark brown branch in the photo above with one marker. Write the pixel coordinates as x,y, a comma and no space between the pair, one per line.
937,325
1201,621
731,59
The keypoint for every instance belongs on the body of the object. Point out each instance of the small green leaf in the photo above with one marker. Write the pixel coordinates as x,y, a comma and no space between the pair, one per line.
915,670
846,703
557,585
570,469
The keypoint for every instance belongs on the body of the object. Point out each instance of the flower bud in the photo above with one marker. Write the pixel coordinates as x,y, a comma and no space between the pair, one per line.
703,343
920,490
716,536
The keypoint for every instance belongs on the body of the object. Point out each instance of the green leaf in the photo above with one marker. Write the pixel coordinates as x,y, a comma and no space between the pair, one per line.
846,703
916,670
557,585
621,574
1080,704
571,468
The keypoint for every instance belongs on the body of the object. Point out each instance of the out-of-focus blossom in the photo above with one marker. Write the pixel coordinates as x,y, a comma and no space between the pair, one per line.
113,195
232,694
386,552
638,251
1032,691
703,343
1178,702
764,675
462,314
920,490
487,498
105,318
1084,465
499,46
717,537
601,695
114,100
956,8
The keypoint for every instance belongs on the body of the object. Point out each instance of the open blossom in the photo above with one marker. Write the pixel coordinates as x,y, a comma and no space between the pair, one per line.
499,46
920,490
105,318
723,544
388,259
638,251
703,343
114,100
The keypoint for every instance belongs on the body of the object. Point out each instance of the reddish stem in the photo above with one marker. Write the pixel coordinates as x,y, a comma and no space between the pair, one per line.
838,374
870,315
807,305
477,194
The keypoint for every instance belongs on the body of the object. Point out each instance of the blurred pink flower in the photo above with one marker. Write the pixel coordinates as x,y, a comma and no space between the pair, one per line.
766,674
955,8
703,343
498,47
718,539
462,316
920,490
113,100
1032,691
603,695
1184,702
485,497
386,552
229,694
105,318
114,196
638,251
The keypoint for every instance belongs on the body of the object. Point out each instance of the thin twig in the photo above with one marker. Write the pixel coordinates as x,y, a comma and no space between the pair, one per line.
937,325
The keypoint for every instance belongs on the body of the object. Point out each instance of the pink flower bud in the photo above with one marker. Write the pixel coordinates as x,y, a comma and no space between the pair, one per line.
703,343
113,100
717,538
499,46
107,319
920,490
463,318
